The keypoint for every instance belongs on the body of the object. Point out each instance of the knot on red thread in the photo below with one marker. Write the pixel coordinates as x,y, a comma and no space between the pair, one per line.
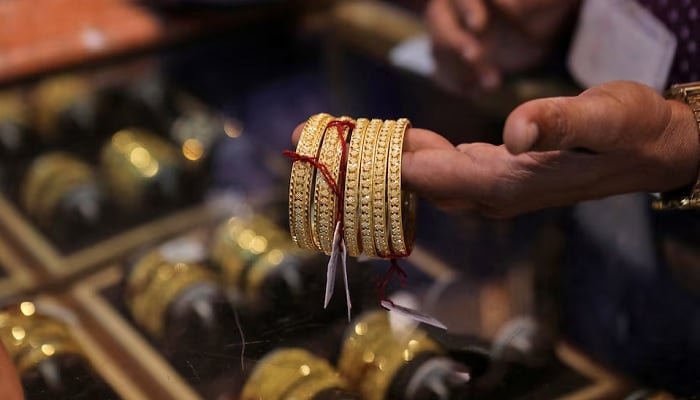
394,270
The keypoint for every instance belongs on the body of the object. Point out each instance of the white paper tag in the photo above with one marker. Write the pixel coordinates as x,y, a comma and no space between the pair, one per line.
620,40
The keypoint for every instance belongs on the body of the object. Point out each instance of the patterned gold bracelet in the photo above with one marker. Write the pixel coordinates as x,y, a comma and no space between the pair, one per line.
325,200
352,189
402,204
301,182
366,179
379,190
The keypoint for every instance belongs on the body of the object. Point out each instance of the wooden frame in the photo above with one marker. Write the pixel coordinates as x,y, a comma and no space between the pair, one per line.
131,341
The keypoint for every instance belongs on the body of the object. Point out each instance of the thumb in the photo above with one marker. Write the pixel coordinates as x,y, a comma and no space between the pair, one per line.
597,120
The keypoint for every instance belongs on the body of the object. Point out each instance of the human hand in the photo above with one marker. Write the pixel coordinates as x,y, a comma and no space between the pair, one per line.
615,138
9,382
476,41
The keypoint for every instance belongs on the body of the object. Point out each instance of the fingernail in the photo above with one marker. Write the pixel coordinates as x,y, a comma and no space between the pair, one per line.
530,136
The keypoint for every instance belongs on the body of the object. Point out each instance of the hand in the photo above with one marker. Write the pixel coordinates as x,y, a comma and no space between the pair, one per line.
9,382
476,41
615,138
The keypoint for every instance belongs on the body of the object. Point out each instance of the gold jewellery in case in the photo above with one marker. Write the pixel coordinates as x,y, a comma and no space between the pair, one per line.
293,373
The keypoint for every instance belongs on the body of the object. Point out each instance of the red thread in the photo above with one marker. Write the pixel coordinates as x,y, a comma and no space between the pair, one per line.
394,271
314,161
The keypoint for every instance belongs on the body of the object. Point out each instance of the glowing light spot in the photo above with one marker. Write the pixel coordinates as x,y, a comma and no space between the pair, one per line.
245,237
407,355
305,370
361,328
27,308
232,129
122,138
48,349
275,256
18,332
140,157
412,344
258,245
368,356
192,149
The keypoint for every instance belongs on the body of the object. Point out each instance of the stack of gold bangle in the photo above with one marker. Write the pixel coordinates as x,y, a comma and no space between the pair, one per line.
249,250
378,215
293,374
133,160
31,337
373,353
153,285
49,180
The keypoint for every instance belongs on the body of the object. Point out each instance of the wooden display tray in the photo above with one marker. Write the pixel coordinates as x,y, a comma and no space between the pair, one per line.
137,349
54,263
102,363
130,342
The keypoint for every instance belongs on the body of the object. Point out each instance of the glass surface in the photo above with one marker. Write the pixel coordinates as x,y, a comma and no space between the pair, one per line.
147,199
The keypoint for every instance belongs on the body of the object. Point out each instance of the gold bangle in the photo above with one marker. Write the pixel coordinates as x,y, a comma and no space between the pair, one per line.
373,353
141,275
301,181
133,158
55,95
72,175
34,355
240,242
379,188
401,242
168,283
366,197
352,188
41,170
290,373
325,200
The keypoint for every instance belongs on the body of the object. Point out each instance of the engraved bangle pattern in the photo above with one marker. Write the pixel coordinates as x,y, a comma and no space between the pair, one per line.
379,187
301,181
325,200
352,188
399,245
368,145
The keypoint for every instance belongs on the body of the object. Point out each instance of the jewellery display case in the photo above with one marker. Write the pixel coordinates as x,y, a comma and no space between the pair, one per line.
145,246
